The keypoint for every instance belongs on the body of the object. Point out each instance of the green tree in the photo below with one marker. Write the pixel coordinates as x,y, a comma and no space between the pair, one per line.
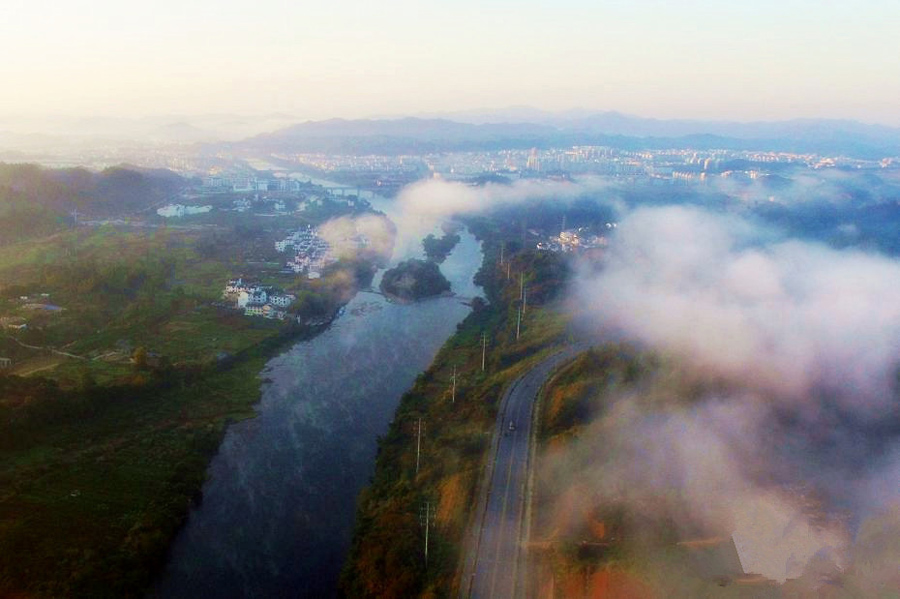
139,358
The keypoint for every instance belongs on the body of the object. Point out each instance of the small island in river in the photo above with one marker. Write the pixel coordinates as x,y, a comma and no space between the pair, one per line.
414,280
437,249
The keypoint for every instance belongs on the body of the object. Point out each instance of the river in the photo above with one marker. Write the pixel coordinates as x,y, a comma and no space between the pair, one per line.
280,500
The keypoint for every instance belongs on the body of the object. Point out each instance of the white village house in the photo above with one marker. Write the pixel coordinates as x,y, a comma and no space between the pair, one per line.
256,300
252,297
282,301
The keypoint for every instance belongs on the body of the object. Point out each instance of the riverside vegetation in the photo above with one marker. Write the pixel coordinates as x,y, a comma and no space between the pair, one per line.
386,557
415,279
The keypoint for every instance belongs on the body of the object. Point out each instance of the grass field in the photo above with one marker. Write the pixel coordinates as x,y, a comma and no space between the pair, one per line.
89,503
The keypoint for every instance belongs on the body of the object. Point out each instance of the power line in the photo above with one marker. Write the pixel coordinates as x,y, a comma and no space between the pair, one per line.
426,519
453,394
418,443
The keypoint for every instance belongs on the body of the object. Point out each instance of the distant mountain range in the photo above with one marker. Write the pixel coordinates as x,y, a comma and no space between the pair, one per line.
42,133
514,127
479,131
401,136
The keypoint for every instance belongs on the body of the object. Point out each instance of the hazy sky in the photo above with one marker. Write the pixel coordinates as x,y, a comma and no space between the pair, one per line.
766,59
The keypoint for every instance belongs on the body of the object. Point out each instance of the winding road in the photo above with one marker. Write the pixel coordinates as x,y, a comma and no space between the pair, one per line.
494,563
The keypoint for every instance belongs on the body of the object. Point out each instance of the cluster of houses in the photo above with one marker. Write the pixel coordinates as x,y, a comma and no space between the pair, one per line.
311,252
276,205
180,210
573,240
281,205
242,204
239,183
258,300
32,303
15,323
314,200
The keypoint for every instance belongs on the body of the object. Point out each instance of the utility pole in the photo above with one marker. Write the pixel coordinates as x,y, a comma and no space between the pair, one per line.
483,349
521,285
508,264
426,519
524,299
502,245
418,444
453,396
518,322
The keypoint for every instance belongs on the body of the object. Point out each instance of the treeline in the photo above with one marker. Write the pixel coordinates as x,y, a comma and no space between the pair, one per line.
118,467
37,198
321,298
80,276
122,294
30,406
437,249
21,218
413,280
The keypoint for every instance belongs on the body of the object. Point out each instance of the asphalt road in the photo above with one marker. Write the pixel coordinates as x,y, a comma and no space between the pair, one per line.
494,566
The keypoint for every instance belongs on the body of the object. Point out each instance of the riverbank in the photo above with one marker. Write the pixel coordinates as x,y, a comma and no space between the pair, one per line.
435,474
281,493
93,493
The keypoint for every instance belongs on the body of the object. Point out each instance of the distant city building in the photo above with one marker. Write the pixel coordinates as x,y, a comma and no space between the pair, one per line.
534,162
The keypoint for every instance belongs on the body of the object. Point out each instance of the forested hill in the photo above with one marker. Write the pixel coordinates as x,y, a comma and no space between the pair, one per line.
36,201
113,191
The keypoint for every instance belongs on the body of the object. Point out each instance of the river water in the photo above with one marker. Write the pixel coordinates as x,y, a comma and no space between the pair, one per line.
279,504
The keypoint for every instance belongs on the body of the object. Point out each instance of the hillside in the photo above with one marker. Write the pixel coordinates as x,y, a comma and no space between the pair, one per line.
115,191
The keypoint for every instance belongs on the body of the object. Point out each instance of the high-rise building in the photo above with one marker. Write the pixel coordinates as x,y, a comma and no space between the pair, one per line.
534,162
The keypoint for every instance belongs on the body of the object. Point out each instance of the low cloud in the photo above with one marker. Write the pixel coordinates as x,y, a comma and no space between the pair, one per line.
346,233
422,206
786,317
696,470
802,343
798,187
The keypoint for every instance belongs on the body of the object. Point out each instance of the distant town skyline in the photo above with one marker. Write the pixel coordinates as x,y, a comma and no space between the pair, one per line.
769,60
